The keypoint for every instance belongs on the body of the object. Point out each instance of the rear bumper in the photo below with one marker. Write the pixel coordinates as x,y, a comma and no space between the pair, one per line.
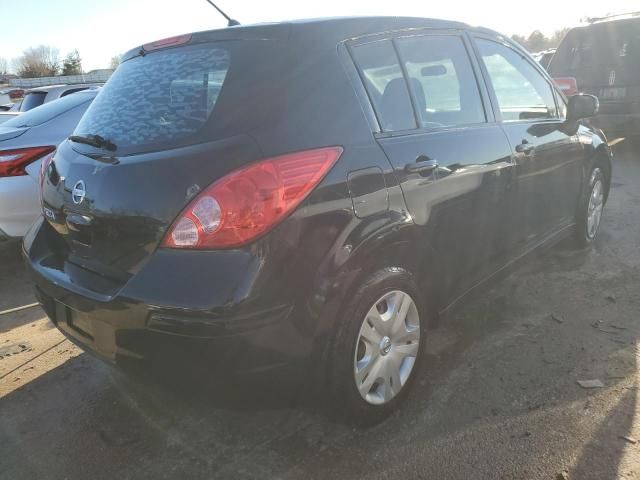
129,327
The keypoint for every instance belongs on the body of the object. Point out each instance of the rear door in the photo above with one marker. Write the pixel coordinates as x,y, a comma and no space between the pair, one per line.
452,160
546,153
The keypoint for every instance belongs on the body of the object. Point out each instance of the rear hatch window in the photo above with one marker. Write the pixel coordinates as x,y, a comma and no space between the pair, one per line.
592,53
159,100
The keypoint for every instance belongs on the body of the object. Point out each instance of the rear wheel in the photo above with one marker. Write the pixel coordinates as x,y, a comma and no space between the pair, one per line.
591,207
378,347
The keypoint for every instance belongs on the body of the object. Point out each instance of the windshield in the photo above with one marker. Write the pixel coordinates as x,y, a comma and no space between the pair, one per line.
48,111
165,96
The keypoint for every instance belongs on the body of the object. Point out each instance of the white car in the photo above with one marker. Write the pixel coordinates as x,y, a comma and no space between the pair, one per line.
4,116
34,97
26,141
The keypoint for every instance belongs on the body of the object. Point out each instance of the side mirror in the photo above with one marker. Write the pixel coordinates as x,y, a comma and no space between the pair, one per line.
582,106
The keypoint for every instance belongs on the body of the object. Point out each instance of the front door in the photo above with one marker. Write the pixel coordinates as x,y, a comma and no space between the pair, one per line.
547,156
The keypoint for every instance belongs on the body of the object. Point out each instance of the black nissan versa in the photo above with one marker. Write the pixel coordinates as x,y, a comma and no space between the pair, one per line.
308,197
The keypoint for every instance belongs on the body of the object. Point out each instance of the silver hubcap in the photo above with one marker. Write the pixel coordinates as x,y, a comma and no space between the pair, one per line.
387,347
594,210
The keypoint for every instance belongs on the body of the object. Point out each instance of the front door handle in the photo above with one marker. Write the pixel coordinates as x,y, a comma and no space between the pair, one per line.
423,164
525,147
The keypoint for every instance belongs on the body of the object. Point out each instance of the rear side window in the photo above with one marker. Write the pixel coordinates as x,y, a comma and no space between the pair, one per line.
385,84
162,97
522,92
48,111
32,100
442,80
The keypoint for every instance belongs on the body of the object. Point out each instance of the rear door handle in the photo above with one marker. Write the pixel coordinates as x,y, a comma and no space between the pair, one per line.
525,147
423,164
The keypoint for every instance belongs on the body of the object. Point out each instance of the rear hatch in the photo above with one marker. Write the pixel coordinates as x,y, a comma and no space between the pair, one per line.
604,58
169,122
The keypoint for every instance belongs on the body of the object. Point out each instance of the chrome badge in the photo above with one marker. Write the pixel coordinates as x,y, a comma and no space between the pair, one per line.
78,193
49,214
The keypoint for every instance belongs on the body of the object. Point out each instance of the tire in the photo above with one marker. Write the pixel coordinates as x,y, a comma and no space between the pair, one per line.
588,220
365,342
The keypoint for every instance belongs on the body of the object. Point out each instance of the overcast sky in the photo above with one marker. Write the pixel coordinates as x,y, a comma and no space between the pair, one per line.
100,29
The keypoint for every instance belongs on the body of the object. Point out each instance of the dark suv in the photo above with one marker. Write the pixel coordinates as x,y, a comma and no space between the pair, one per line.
603,58
307,197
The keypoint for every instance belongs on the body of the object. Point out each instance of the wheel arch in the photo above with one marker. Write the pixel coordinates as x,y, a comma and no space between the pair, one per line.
599,153
405,250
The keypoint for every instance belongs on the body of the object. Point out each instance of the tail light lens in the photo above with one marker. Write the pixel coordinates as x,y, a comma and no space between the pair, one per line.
16,94
248,202
167,42
568,85
13,163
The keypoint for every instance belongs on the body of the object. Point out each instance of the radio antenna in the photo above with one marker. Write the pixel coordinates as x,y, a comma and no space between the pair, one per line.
230,21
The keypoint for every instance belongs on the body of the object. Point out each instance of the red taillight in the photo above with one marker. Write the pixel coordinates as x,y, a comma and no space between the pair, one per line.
248,202
167,42
16,94
568,85
14,162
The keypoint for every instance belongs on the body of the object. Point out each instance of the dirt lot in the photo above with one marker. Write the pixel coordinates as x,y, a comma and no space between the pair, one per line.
498,398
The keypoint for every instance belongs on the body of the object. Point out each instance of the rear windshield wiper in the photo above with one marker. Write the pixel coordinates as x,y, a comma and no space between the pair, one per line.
95,141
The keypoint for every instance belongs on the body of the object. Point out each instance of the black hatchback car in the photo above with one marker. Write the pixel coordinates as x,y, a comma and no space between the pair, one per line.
307,197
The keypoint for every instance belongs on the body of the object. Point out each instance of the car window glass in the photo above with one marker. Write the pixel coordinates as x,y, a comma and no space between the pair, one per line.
442,80
48,111
385,84
522,92
32,100
562,106
604,45
164,96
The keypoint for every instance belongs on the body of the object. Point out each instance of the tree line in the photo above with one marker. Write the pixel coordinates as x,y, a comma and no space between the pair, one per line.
45,61
537,41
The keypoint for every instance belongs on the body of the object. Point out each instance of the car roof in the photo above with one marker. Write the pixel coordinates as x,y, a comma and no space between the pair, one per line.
330,30
614,18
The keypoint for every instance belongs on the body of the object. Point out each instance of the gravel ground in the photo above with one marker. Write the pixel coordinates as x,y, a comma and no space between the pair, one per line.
498,397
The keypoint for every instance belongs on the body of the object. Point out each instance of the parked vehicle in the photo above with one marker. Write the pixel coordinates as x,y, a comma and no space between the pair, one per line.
312,202
26,140
7,115
11,95
603,59
35,97
544,57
